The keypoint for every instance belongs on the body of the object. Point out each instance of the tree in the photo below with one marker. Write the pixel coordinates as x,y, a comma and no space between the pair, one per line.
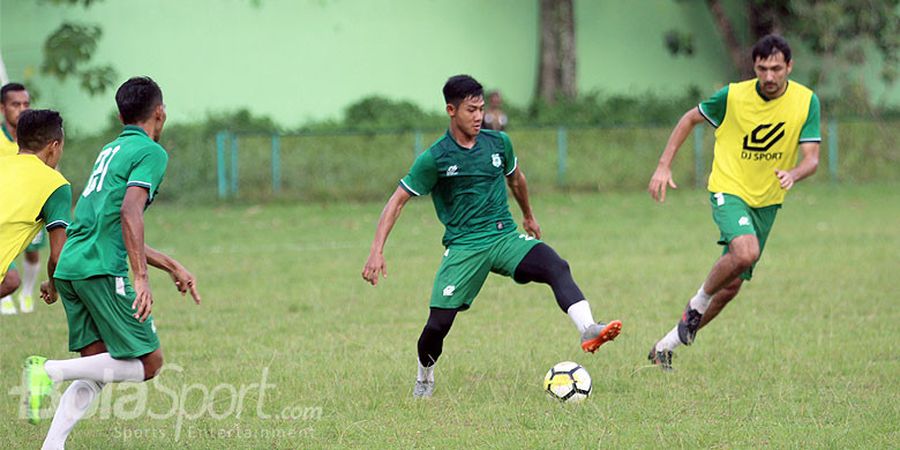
839,32
556,72
69,50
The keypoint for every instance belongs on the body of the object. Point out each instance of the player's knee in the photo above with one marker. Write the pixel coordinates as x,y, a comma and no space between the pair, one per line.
745,257
436,329
152,364
558,269
11,282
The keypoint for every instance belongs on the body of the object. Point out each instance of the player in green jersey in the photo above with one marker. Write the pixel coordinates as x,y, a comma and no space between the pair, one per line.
466,172
760,126
109,318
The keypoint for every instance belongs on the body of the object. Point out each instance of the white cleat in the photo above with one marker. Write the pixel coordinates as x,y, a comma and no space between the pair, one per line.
7,307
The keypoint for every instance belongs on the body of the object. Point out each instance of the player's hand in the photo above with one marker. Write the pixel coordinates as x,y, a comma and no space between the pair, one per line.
375,265
185,282
532,228
661,179
785,178
48,293
143,299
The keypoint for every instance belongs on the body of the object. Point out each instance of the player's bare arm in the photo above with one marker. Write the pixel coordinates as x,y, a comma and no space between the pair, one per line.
132,212
805,168
57,240
184,280
375,265
519,188
662,177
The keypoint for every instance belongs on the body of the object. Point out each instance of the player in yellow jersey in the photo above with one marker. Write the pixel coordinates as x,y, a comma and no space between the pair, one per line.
14,99
760,124
33,194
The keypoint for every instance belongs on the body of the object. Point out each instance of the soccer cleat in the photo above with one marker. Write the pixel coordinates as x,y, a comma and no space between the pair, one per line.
38,384
7,307
599,333
26,304
661,358
423,389
688,325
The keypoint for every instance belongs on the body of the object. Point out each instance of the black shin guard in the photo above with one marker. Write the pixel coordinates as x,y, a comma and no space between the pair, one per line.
431,342
543,265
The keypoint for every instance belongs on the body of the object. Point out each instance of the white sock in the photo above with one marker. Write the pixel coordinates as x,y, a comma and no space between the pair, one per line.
425,373
100,367
580,313
29,276
670,341
701,300
73,404
8,298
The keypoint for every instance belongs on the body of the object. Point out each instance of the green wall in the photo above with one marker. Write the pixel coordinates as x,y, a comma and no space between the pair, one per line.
308,59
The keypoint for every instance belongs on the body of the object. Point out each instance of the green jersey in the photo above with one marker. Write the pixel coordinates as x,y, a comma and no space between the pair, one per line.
467,187
94,244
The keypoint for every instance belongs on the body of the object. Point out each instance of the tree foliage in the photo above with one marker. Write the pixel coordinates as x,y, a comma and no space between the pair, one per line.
68,51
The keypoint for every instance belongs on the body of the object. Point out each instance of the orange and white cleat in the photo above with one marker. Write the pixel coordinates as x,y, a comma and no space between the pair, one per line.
598,334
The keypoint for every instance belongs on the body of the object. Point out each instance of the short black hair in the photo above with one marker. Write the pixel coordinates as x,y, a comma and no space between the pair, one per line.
10,87
769,45
136,99
461,87
38,128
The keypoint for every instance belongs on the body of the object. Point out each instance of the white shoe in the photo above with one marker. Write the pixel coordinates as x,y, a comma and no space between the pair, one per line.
7,307
26,304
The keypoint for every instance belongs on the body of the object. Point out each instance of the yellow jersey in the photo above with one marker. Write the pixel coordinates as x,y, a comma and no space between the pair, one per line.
8,146
32,194
756,135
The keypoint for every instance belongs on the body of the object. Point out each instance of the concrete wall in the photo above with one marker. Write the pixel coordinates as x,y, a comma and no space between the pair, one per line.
308,59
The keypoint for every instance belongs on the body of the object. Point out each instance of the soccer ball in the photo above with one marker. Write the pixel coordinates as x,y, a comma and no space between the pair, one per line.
568,382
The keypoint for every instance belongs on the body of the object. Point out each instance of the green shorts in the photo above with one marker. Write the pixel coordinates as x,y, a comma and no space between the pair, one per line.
37,243
99,309
735,218
463,270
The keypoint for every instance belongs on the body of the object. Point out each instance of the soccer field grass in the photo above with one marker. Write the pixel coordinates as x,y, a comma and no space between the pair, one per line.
806,356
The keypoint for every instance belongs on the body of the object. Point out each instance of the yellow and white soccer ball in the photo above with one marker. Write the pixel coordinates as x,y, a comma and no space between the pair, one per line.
568,382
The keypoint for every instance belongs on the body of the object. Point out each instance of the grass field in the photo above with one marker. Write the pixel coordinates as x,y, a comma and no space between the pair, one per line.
806,357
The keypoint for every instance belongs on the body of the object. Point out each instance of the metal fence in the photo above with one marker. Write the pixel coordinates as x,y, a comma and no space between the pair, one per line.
364,165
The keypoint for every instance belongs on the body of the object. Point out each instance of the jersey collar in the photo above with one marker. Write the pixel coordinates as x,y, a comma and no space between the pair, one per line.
133,129
787,85
6,132
453,139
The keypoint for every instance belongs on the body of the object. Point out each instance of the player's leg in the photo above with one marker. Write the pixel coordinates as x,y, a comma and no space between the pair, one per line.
9,285
30,270
74,403
744,230
457,283
97,310
742,253
721,299
543,265
430,347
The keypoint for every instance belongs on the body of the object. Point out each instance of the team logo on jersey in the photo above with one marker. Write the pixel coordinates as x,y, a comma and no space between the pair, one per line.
449,290
763,137
744,221
452,170
495,160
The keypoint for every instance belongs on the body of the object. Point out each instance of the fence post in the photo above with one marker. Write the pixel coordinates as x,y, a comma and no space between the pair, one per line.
417,145
833,150
220,163
276,163
561,156
698,156
234,165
